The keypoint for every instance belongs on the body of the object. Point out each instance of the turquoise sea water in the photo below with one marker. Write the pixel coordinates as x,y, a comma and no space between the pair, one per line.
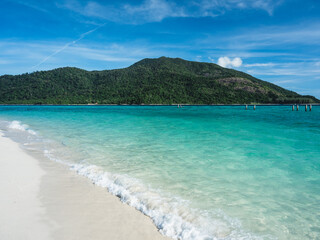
200,172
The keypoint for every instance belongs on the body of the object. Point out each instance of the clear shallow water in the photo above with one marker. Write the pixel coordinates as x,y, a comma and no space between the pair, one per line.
209,172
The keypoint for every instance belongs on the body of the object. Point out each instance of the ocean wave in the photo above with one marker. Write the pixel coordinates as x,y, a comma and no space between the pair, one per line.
171,215
133,193
17,125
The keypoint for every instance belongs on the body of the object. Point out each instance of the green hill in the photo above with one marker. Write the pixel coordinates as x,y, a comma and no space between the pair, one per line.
149,81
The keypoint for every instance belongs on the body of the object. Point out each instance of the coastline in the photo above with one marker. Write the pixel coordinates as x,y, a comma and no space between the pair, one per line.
160,105
42,199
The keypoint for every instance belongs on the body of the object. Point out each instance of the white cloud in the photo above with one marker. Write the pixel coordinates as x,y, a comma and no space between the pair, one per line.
227,62
211,59
44,55
217,7
275,41
305,34
284,81
148,11
4,61
66,46
296,69
198,58
29,5
259,65
157,10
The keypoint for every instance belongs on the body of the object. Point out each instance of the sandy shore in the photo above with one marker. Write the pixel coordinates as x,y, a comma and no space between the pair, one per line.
22,215
41,199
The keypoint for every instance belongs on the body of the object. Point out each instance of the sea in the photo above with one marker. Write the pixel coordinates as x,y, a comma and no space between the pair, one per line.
199,172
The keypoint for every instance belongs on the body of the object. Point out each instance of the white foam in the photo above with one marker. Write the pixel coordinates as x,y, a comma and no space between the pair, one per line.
50,156
172,218
168,224
17,125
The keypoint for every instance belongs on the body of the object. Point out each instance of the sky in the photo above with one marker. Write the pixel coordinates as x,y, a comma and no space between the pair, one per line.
274,40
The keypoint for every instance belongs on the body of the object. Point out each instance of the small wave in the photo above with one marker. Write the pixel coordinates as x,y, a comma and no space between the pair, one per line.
17,125
131,192
50,156
172,216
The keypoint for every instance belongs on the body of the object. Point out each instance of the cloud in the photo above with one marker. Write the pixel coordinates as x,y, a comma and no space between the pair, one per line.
66,46
227,62
305,34
284,81
217,7
4,62
29,5
211,59
19,57
277,41
148,11
198,58
267,5
299,69
259,65
114,53
157,10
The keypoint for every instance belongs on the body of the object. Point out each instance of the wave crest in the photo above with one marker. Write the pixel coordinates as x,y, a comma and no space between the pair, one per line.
131,192
17,125
171,215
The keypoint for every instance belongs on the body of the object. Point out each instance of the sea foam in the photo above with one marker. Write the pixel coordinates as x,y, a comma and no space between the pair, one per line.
168,214
17,125
133,193
171,215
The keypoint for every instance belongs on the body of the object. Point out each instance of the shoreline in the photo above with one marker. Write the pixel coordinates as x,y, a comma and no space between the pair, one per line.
164,105
59,204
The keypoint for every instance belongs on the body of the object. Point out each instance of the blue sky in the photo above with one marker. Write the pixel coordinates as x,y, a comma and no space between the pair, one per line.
274,40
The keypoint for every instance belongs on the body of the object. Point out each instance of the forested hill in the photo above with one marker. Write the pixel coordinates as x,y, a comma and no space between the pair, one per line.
149,81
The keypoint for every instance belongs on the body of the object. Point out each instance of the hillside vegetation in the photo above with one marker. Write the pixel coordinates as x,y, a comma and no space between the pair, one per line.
149,81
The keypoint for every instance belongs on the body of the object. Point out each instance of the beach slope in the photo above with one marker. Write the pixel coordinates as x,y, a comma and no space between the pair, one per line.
22,215
44,200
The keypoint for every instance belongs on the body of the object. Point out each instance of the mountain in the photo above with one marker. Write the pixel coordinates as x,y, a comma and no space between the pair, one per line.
149,81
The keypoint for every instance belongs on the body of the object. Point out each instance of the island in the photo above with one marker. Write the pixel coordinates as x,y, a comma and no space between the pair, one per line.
150,81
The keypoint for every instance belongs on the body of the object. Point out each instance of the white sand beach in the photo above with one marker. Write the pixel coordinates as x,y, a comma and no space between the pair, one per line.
41,199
